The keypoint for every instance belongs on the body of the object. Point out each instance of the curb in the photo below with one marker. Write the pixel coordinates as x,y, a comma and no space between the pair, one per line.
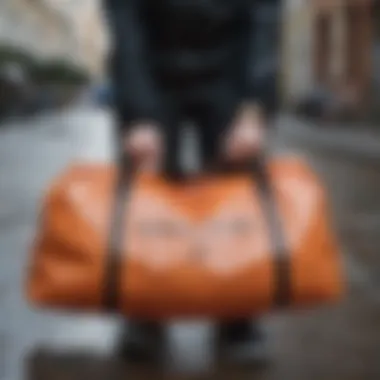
362,145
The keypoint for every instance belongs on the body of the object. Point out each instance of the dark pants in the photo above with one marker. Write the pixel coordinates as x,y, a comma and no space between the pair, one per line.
210,129
210,110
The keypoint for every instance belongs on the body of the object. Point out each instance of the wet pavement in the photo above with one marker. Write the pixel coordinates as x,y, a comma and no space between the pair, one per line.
335,343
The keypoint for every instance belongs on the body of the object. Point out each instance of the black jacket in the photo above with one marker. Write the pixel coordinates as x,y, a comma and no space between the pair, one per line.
170,51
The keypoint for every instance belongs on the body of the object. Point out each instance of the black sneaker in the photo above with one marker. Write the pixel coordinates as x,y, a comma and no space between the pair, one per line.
141,341
242,343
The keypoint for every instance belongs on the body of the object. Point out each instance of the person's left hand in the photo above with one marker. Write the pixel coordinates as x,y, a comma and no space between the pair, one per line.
245,138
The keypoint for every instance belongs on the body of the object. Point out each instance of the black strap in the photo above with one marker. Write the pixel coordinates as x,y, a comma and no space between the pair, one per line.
282,265
114,252
112,274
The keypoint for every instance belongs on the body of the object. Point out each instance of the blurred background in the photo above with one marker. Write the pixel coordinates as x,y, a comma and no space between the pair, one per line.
54,108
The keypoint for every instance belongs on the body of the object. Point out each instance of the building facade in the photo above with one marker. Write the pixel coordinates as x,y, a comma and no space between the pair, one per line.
64,29
32,26
82,20
329,44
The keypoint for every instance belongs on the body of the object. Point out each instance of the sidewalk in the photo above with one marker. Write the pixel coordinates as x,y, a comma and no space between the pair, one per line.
358,144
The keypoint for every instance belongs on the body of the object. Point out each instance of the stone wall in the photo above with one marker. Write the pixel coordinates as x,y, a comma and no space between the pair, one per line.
68,29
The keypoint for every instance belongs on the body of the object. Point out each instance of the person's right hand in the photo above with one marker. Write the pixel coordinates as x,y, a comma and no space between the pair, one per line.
143,144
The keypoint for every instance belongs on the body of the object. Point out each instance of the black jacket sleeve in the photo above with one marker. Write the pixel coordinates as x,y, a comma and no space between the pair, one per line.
261,65
135,94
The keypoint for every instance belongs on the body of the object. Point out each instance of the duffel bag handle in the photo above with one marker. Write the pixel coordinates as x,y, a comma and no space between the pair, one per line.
280,246
112,275
124,176
259,170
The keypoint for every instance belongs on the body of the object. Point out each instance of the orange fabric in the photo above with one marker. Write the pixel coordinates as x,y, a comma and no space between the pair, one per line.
198,265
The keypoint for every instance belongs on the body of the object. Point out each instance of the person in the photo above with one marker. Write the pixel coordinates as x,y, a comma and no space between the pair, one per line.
211,62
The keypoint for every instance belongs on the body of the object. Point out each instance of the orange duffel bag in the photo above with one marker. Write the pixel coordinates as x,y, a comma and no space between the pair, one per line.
218,246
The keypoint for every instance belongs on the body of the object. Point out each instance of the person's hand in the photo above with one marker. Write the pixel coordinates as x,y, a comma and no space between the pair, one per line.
245,138
143,143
